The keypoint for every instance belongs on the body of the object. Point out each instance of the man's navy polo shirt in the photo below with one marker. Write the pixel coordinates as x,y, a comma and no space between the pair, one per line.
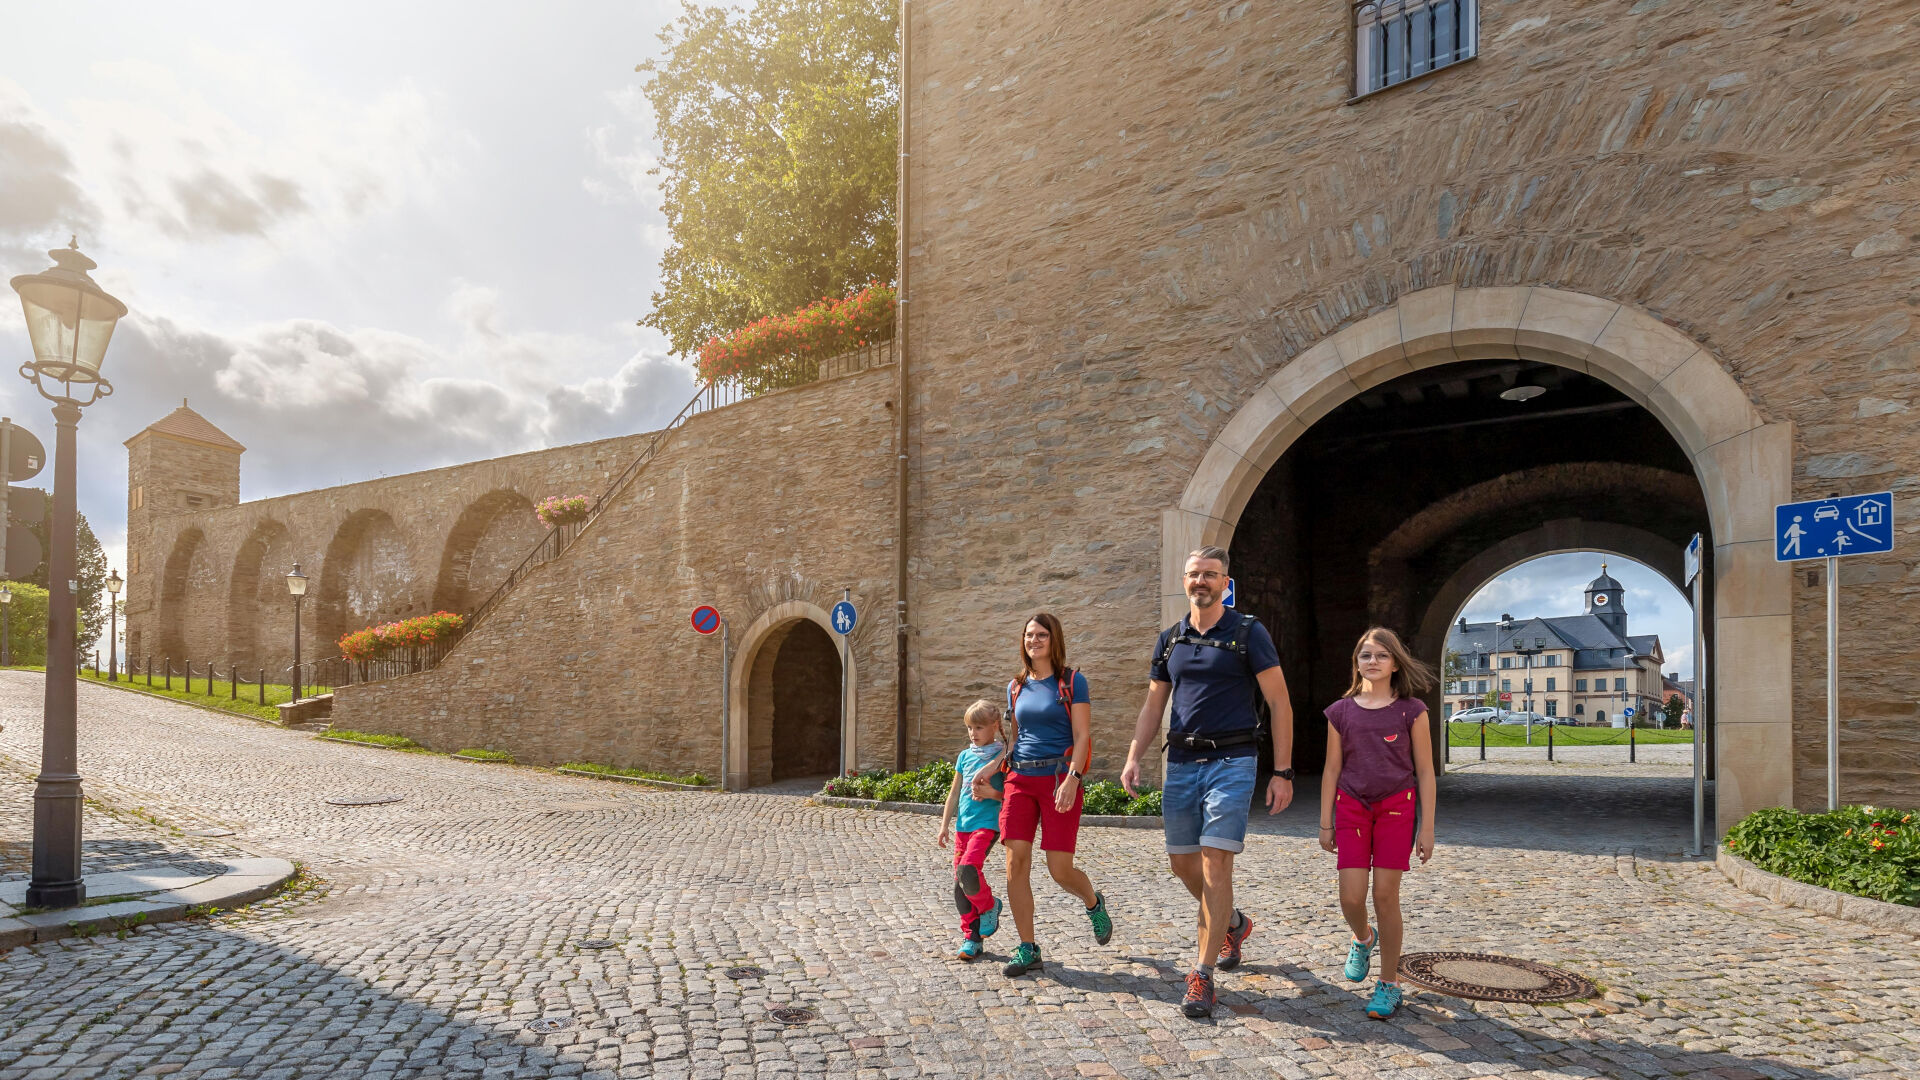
1213,689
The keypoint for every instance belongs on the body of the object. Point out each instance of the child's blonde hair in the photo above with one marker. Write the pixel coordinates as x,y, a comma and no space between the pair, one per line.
982,710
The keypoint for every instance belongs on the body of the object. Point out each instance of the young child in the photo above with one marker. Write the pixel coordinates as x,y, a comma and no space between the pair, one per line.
977,828
1379,750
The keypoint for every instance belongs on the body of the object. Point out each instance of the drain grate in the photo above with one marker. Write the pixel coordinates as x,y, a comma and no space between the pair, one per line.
547,1025
1485,977
792,1015
747,971
596,943
362,800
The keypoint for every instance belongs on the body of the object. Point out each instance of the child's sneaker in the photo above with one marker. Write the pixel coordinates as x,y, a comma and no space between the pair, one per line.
1386,1000
1360,957
969,949
1198,1004
1025,958
1230,948
990,918
1102,922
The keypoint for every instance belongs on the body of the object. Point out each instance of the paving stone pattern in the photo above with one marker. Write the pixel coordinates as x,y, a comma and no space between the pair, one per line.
432,930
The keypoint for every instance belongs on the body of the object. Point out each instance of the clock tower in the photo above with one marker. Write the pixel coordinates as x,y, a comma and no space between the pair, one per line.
1604,598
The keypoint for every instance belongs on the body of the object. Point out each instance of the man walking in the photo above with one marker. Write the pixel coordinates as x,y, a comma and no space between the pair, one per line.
1209,664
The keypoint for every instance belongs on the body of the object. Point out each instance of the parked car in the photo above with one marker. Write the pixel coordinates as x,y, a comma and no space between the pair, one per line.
1481,714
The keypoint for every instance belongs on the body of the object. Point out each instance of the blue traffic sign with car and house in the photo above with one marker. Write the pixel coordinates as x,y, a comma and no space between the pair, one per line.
1832,528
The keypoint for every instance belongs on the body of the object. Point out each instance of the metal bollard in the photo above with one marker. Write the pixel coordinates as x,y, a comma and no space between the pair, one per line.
263,686
233,680
1632,747
1483,739
167,676
1550,727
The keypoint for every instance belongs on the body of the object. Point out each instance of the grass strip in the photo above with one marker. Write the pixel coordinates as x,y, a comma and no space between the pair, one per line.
1563,735
368,738
475,753
693,779
248,703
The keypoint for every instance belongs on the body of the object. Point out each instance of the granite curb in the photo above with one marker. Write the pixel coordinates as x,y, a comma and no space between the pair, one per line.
144,897
1110,821
1861,909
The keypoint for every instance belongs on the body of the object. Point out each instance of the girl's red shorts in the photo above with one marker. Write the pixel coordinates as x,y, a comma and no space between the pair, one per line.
1376,835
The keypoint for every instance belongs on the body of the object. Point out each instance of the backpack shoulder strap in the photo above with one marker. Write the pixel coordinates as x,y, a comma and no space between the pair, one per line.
1173,638
1066,689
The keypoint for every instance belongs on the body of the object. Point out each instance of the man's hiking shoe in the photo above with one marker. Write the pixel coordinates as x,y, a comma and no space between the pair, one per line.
969,949
1198,1004
1360,957
1386,1000
990,918
1230,948
1102,922
1025,958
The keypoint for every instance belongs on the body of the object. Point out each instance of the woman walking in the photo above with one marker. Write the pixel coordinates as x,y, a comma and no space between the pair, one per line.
1051,713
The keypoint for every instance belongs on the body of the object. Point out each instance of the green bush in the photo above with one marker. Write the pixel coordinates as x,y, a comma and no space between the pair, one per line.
1147,805
26,624
929,784
1863,850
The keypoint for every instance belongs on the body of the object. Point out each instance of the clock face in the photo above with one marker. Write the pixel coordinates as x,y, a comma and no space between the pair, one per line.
1600,601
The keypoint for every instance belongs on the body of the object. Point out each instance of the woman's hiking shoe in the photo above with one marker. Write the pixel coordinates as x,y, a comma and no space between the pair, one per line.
990,918
1198,1004
1386,1000
1230,948
1102,922
1360,957
969,949
1025,958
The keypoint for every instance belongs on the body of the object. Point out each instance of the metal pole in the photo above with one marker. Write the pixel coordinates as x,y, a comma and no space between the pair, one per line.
726,703
1699,716
6,635
1631,746
1833,683
113,639
1483,738
846,717
6,481
57,797
296,649
1549,742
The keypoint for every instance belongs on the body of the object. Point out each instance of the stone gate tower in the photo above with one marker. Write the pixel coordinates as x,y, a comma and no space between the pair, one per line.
180,463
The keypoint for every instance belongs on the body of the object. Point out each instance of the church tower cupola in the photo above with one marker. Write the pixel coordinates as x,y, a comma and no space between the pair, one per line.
1605,598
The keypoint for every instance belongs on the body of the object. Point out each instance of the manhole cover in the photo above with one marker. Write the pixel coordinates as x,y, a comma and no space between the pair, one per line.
748,972
362,800
209,832
596,943
792,1015
1484,977
547,1025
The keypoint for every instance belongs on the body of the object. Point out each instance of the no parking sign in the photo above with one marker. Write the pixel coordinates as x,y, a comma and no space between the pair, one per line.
706,619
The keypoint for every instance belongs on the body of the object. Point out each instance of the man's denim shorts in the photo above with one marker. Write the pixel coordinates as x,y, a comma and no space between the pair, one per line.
1205,803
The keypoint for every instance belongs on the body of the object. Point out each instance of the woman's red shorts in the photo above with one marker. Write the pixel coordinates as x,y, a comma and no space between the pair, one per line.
1027,807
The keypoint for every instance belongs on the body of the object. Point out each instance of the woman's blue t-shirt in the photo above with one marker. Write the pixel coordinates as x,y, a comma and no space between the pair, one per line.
1045,728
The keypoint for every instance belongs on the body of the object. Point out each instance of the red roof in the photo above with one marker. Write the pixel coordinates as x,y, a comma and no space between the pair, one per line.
186,424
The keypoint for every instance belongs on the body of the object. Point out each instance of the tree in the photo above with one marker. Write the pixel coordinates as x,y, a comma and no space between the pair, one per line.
90,570
778,139
1672,708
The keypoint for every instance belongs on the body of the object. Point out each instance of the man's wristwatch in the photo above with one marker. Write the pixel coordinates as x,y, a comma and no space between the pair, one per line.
1284,774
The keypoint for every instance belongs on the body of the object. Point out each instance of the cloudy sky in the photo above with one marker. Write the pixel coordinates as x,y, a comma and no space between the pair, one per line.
366,239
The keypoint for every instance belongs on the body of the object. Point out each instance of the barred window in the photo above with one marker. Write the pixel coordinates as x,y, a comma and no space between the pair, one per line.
1397,40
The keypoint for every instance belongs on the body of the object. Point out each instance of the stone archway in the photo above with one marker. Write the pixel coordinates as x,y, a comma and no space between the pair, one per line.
1742,461
187,609
756,677
365,578
490,537
259,609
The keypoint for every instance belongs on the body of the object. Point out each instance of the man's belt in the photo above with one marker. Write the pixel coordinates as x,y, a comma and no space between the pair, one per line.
1228,740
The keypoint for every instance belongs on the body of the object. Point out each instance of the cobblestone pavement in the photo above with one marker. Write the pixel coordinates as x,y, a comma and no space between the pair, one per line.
432,930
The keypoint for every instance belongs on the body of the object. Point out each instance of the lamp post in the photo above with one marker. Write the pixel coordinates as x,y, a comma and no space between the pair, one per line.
69,320
6,627
297,588
114,581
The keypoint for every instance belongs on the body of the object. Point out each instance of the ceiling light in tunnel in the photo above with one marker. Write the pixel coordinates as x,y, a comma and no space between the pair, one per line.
1522,393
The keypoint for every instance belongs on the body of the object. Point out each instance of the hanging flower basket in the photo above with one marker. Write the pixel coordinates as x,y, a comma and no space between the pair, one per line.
557,510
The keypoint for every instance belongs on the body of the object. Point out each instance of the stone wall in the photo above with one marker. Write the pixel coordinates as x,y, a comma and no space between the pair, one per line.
1128,215
780,499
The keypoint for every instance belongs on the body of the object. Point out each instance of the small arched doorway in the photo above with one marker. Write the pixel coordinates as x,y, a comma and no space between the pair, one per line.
793,705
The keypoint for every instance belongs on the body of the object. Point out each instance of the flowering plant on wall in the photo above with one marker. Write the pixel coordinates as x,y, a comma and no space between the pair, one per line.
406,634
823,329
557,510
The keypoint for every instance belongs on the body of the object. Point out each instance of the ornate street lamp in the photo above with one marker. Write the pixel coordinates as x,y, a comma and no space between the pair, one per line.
69,320
114,581
297,587
6,627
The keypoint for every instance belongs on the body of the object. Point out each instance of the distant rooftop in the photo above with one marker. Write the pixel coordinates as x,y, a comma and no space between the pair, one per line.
184,423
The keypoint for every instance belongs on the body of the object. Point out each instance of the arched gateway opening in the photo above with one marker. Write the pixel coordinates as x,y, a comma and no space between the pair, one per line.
1382,475
787,713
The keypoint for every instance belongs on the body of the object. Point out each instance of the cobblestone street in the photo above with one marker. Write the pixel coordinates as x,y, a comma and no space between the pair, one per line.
427,933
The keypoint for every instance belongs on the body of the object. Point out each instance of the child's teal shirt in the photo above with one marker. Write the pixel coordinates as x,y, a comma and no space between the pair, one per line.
975,813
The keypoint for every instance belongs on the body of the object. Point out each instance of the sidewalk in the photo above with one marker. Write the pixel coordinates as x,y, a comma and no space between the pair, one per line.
122,900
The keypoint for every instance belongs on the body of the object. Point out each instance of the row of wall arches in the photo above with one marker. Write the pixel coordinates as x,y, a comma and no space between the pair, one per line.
233,606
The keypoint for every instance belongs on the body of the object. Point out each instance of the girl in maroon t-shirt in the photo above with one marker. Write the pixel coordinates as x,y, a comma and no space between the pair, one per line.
1379,751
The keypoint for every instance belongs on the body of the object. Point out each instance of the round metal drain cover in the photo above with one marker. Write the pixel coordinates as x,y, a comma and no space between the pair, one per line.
362,800
1485,977
596,943
209,832
792,1015
746,972
547,1025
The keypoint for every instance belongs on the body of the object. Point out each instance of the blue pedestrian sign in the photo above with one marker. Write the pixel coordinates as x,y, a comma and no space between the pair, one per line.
844,617
1627,712
1831,528
1226,599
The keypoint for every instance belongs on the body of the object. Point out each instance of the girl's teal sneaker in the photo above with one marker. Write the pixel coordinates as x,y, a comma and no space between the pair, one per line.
969,949
990,918
1386,1000
1360,957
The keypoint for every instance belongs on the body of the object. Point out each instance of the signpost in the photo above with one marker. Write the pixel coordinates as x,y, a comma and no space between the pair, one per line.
1699,695
21,457
1227,599
1832,529
845,617
706,619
